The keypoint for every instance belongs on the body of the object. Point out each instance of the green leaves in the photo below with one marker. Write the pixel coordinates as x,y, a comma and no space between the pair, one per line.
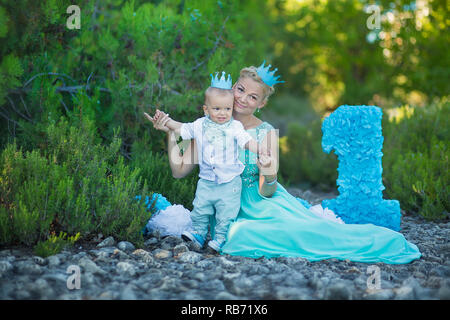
10,73
74,185
416,160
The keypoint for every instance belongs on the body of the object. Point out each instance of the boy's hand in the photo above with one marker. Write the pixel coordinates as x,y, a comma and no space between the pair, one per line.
265,162
262,150
159,120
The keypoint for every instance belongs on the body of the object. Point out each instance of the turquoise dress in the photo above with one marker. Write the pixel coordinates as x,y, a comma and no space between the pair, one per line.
280,226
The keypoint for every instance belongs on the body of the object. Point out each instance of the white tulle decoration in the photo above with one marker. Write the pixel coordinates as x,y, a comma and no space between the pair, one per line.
171,221
325,213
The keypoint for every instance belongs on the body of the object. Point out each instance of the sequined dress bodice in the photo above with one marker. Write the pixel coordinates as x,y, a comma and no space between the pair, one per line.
250,175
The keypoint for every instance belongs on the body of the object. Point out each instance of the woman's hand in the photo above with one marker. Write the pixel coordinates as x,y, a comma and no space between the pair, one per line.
159,120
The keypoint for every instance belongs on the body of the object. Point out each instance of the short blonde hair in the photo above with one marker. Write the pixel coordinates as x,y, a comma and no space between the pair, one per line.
250,72
213,91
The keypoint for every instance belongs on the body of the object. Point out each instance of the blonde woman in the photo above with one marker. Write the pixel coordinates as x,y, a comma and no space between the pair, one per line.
271,222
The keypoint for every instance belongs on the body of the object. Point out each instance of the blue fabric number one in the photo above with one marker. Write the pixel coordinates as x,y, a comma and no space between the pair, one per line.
354,133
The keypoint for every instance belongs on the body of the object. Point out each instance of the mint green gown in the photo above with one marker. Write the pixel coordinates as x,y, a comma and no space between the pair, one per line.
280,226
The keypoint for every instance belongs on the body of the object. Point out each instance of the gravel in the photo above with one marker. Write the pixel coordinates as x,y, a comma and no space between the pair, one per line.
169,268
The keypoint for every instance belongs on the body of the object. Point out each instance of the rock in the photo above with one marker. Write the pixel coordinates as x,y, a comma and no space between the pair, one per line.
108,242
180,248
125,246
145,256
190,257
22,295
128,293
39,260
126,268
5,266
224,262
213,285
434,282
338,291
444,293
89,266
315,282
107,295
41,289
404,293
150,242
205,264
291,293
170,242
162,254
101,256
53,261
28,267
120,254
225,296
382,294
238,284
410,289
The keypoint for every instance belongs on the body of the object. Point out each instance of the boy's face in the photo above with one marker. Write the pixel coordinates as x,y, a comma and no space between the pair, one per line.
219,108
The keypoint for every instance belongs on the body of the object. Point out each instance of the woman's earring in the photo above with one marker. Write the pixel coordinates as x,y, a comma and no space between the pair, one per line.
257,110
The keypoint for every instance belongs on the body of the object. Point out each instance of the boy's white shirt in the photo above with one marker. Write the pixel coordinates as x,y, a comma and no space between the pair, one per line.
216,165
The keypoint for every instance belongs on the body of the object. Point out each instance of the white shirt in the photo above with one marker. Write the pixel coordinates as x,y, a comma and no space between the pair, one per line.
218,153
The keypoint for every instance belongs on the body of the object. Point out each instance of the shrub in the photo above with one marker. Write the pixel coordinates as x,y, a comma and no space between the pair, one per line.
155,169
74,185
416,159
302,159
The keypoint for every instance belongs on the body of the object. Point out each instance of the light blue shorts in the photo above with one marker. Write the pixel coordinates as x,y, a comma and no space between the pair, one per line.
218,201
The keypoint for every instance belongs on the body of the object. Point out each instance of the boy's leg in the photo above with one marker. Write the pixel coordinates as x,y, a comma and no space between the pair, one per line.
227,207
203,208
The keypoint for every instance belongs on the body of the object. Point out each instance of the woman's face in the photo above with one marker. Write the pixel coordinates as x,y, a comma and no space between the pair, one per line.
248,96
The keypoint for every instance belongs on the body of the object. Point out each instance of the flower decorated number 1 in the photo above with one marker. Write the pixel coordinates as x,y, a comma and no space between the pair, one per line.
354,133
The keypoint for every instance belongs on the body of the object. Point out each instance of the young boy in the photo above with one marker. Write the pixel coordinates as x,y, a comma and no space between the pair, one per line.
219,188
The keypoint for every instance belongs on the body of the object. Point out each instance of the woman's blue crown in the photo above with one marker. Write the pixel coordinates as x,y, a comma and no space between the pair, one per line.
266,75
221,83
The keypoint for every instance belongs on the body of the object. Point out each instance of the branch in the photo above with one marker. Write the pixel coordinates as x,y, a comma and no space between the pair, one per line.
61,100
49,74
17,111
25,106
9,119
70,89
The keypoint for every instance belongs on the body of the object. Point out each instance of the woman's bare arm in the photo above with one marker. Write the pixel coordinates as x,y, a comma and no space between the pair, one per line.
268,165
181,164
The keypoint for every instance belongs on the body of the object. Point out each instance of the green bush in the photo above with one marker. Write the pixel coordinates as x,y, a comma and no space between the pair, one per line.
127,57
155,169
302,160
416,160
74,185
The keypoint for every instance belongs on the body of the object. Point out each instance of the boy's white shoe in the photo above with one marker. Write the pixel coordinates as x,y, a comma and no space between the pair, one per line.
195,238
216,245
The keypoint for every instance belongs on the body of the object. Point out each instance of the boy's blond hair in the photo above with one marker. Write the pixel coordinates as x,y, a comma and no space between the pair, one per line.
216,91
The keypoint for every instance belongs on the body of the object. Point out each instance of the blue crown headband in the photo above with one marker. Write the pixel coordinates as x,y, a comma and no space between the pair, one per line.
266,75
221,83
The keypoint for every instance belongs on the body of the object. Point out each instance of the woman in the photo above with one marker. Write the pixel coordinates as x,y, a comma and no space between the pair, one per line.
271,222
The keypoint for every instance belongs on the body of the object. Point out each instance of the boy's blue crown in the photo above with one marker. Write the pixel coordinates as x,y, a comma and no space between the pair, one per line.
221,83
266,75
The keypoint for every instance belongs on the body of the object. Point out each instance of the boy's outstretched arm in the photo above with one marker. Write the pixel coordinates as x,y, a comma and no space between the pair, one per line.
171,124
